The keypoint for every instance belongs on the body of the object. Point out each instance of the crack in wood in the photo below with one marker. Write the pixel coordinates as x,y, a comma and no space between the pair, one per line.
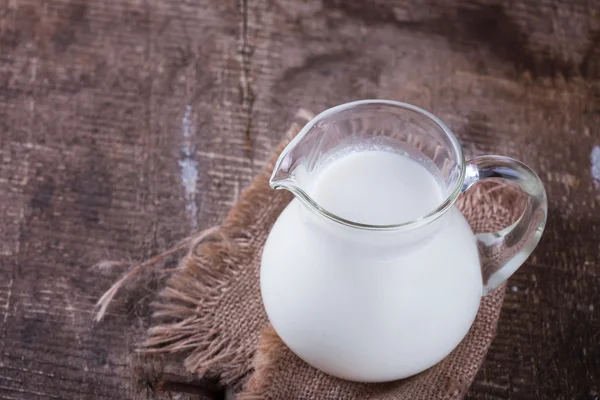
206,389
247,94
7,305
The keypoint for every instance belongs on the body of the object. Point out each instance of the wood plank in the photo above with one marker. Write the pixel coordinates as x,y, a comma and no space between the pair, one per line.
96,100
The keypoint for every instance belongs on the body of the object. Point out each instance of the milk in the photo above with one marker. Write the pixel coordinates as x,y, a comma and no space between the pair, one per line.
376,187
370,305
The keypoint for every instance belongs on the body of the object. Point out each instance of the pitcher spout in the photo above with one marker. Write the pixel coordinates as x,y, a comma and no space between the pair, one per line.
288,176
298,160
282,177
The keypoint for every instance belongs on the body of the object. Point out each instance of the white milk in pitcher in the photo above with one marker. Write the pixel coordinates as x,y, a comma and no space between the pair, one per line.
371,305
376,187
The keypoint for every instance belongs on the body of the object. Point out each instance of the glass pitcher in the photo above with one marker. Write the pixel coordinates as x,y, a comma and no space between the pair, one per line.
375,303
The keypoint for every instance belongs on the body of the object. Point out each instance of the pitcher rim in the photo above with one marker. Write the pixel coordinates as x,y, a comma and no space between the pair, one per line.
440,210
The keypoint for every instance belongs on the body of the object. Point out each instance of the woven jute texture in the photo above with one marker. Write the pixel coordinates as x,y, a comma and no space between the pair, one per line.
211,312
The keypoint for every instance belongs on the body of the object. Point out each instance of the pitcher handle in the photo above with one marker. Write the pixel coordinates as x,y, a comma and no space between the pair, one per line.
503,252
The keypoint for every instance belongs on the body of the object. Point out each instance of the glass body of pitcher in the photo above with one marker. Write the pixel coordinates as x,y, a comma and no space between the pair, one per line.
381,300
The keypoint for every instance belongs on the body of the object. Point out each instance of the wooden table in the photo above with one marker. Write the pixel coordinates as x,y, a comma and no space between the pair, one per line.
109,109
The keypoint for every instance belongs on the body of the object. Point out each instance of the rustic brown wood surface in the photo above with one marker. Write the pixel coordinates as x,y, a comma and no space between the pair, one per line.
109,109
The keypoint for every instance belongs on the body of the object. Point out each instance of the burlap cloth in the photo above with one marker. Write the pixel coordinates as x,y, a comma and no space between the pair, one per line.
211,311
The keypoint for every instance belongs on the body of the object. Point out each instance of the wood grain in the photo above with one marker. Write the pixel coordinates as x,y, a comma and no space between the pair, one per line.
106,108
